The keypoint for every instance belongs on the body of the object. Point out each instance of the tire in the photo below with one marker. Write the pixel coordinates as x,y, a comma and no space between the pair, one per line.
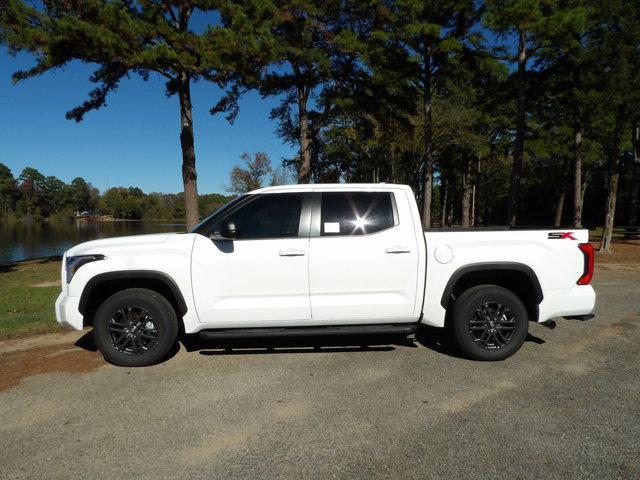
135,328
481,331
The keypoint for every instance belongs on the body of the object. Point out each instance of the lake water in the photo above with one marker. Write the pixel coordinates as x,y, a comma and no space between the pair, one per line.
41,239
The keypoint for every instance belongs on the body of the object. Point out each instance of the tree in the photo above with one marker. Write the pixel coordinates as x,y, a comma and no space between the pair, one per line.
520,19
616,44
280,176
635,177
7,189
302,57
124,203
251,177
80,193
568,76
123,38
54,195
427,34
31,184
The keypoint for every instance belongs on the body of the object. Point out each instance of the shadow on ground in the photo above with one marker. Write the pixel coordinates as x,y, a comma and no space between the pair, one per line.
439,340
257,346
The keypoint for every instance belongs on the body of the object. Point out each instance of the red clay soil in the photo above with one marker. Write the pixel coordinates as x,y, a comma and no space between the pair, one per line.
21,364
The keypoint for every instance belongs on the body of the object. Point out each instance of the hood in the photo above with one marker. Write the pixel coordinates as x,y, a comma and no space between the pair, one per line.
98,246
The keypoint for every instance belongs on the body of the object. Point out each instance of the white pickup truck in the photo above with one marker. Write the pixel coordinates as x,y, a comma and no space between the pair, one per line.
323,260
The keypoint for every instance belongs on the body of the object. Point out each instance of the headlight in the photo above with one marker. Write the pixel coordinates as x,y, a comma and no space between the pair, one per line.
74,263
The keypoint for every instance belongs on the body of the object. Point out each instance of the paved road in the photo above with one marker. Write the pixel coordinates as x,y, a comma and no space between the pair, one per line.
567,406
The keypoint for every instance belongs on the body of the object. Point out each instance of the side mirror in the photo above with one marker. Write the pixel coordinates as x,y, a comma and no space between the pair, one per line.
227,232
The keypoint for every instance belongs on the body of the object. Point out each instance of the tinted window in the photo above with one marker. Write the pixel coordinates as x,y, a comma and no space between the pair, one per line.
357,213
204,226
268,216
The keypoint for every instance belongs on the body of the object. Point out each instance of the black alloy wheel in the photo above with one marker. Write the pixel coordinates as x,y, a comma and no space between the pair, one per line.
489,322
135,327
492,325
132,330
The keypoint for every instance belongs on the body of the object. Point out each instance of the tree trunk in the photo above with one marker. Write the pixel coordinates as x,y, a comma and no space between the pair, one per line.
577,174
393,167
304,172
189,176
635,195
559,208
563,192
443,201
474,192
612,194
466,193
428,134
473,206
518,150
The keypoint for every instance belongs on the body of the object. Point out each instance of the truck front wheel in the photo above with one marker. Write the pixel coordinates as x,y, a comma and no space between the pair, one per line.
135,328
489,322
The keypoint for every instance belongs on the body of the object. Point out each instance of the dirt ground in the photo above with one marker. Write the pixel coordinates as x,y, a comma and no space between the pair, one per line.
20,363
622,252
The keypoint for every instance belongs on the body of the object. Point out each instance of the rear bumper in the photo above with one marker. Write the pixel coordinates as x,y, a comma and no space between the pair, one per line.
567,302
67,313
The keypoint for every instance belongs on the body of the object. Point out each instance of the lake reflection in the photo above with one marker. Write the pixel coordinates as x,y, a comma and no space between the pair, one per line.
20,241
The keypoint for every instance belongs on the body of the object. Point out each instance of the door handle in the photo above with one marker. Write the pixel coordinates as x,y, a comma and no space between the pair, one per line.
291,252
397,249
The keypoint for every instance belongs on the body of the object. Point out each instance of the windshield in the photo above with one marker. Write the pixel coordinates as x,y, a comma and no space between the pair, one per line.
203,227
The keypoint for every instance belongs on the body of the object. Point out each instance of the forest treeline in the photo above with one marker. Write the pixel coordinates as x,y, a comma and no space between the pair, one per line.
34,196
496,112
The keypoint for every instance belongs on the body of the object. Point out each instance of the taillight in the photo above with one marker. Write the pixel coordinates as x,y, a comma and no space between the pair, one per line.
587,251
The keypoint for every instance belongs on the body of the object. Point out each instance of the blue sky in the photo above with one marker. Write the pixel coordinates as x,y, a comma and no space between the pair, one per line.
133,141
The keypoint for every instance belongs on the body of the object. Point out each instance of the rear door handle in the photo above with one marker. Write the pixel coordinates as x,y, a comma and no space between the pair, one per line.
397,249
291,252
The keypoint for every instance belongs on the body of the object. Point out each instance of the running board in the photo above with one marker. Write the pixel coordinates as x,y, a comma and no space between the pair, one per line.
381,329
582,318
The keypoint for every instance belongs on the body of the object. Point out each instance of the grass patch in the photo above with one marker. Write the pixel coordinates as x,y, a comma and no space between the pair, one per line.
28,291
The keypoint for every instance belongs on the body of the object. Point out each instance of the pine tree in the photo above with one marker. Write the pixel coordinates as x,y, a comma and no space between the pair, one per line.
124,38
424,35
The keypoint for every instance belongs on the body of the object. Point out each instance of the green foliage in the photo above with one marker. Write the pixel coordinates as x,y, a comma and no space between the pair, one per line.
8,191
124,203
121,38
35,196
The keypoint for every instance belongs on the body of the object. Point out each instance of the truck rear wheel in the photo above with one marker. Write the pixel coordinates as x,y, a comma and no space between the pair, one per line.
135,328
489,322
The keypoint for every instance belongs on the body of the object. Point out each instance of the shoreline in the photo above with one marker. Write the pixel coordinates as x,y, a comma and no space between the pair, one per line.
32,221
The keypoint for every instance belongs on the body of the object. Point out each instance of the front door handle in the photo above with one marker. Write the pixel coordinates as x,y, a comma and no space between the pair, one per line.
291,252
397,249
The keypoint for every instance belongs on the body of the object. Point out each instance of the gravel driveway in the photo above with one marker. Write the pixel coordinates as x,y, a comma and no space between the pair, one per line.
566,406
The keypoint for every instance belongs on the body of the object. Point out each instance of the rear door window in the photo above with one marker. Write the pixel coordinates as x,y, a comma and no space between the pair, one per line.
356,213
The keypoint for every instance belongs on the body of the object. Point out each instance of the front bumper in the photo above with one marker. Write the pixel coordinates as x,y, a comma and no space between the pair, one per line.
67,313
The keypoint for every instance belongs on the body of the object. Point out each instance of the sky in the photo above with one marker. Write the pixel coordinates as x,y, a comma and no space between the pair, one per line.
134,140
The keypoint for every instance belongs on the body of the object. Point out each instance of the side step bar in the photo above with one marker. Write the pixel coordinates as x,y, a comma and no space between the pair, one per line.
582,318
381,329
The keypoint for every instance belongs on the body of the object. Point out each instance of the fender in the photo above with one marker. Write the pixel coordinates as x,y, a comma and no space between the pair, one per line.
132,274
492,266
